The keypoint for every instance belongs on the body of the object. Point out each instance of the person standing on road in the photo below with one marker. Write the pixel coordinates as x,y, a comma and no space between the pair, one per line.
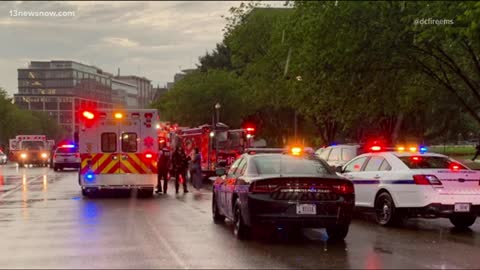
477,152
163,165
196,171
180,165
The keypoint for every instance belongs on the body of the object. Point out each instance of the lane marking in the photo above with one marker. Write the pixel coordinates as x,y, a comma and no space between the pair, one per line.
6,194
169,248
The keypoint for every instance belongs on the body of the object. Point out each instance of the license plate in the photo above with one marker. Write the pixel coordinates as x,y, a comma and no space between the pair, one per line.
462,207
306,209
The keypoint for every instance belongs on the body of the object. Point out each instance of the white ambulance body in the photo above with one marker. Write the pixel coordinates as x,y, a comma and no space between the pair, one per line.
118,150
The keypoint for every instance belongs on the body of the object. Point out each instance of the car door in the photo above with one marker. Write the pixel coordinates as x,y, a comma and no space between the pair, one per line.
373,174
222,188
335,159
353,171
230,185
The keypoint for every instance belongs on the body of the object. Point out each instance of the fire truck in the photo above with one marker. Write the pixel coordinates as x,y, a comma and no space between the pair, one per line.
30,149
218,147
118,150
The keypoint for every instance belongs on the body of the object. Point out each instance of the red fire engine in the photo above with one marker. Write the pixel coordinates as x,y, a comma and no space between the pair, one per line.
217,146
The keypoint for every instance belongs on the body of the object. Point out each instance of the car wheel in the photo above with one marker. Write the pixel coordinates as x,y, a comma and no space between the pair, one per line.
337,232
462,221
385,211
217,217
55,167
240,229
86,193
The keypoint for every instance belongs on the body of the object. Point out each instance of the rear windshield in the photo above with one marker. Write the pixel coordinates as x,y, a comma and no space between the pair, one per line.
426,162
284,164
65,150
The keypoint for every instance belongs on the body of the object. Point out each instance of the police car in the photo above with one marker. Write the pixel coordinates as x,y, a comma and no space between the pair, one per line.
402,184
269,187
66,156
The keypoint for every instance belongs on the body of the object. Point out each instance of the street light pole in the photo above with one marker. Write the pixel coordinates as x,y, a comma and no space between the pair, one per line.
217,109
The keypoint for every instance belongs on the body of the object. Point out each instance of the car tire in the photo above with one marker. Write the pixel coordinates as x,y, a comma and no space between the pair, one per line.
240,229
386,214
337,232
86,193
462,221
55,168
217,217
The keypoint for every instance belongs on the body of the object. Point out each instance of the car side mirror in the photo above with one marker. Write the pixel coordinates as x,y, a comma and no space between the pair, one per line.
220,171
338,169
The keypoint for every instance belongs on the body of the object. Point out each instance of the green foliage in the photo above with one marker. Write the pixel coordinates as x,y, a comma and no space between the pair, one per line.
350,70
14,121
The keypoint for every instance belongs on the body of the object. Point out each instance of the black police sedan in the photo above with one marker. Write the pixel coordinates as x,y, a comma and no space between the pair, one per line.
283,190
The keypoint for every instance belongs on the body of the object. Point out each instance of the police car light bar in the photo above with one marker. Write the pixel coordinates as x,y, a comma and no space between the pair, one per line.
67,146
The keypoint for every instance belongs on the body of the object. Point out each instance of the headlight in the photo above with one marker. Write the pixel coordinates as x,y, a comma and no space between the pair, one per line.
44,155
23,155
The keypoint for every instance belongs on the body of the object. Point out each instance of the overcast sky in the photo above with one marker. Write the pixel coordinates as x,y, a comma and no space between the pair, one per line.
151,39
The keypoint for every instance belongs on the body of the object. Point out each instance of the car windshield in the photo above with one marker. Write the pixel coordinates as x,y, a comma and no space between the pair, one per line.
33,145
65,150
290,165
429,162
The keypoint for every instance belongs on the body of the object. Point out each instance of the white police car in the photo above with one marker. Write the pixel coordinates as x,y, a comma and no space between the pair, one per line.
66,156
399,185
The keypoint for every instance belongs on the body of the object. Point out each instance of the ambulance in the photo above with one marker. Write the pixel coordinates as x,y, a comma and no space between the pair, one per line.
118,150
30,149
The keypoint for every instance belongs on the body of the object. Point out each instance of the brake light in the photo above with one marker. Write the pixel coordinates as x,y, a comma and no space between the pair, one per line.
263,187
421,179
148,155
343,188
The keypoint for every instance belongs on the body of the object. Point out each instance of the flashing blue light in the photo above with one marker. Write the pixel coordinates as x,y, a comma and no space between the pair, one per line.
423,149
89,177
333,144
67,146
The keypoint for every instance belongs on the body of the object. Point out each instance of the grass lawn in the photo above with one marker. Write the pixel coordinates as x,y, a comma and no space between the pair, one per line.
451,150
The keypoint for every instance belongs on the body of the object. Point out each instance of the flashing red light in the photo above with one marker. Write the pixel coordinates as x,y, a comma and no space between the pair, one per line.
375,148
67,146
88,115
454,167
148,155
250,129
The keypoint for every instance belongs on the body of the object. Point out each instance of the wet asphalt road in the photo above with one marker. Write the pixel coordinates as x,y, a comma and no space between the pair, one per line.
45,223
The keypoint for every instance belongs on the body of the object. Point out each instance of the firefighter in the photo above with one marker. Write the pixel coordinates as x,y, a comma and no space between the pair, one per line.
162,169
180,165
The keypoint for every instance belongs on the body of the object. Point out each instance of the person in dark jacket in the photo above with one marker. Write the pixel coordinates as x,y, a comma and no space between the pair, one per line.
163,166
477,152
180,165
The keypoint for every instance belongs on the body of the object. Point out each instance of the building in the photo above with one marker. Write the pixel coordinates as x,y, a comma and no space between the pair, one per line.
179,76
144,87
61,88
128,93
159,91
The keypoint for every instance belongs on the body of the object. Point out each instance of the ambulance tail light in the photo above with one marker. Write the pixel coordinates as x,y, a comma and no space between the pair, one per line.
148,155
422,179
